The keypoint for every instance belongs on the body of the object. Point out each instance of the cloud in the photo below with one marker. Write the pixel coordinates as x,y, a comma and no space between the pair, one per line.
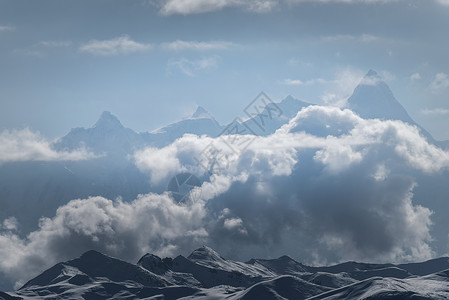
24,145
345,1
435,112
320,180
55,44
327,185
171,7
340,88
192,67
151,223
292,82
119,45
6,28
415,76
364,38
439,83
443,2
195,45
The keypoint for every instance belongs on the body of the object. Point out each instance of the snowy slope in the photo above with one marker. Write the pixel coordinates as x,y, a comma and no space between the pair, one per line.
200,123
204,274
269,119
428,287
107,136
372,98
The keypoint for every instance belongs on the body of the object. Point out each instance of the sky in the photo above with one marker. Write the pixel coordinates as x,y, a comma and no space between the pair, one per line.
152,62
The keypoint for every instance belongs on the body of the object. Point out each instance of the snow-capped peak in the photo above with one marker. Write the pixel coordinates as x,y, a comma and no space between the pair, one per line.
205,254
201,113
108,120
372,73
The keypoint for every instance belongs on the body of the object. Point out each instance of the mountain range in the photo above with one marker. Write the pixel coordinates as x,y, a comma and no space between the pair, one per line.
30,190
204,274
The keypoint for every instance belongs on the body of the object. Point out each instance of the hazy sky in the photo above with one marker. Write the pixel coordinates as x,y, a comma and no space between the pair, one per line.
151,62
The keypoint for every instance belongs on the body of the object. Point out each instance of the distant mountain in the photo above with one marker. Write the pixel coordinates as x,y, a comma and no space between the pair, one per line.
270,118
200,123
107,136
372,98
205,274
30,190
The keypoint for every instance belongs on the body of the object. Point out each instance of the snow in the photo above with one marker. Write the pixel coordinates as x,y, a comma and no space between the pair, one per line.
205,274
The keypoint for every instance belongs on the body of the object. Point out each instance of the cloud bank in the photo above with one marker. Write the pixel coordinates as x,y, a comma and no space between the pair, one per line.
120,45
25,145
328,186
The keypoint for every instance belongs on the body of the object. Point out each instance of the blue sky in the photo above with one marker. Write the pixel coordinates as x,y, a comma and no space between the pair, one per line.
151,62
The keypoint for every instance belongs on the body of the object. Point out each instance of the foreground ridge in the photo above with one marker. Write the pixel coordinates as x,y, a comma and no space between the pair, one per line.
205,274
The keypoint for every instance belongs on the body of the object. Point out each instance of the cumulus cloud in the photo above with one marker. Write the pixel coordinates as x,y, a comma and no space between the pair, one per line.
345,1
338,89
196,45
151,223
23,145
171,7
193,67
323,175
327,185
119,45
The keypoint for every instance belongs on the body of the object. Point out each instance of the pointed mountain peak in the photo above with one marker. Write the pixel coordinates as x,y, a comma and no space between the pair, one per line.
93,255
108,120
372,73
155,264
372,78
201,113
372,98
205,253
289,98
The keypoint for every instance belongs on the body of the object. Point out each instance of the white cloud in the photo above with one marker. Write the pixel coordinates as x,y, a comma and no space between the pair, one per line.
271,194
443,2
196,45
364,38
439,83
119,45
10,224
345,1
171,7
182,7
192,67
55,44
7,28
320,147
340,88
289,81
435,111
415,76
151,223
24,145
